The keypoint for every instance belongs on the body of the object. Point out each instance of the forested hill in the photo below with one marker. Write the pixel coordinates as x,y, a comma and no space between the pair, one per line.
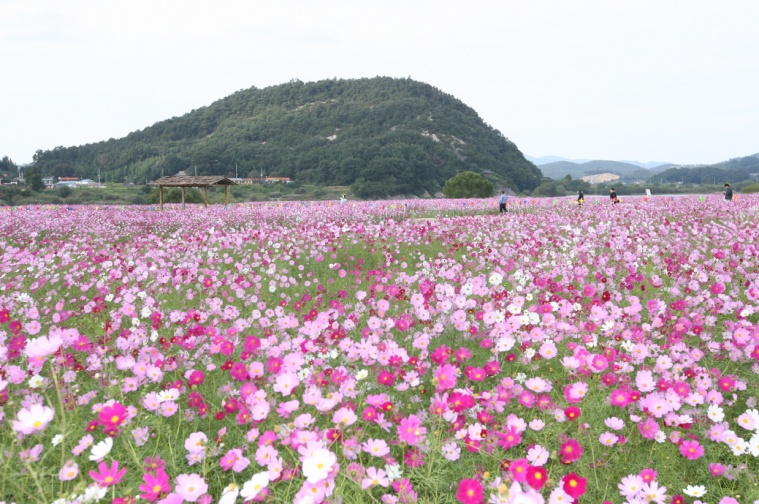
382,135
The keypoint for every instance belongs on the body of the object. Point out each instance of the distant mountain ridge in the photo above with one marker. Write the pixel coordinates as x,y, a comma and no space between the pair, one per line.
732,170
543,160
561,169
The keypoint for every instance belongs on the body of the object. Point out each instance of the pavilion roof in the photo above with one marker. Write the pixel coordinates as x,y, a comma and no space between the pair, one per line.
190,181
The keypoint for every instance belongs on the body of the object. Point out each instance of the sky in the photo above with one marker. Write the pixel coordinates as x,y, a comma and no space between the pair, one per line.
663,80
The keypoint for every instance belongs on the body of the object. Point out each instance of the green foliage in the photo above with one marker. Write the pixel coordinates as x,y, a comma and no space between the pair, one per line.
64,192
174,195
382,136
468,184
753,187
33,178
734,170
7,167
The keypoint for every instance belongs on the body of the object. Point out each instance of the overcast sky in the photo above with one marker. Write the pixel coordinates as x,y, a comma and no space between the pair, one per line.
639,80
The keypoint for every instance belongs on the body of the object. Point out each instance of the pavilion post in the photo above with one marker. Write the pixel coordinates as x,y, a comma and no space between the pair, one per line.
160,197
226,195
182,197
205,195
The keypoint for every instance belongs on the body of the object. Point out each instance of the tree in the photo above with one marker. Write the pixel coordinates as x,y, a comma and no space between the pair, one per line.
468,184
63,170
33,178
7,166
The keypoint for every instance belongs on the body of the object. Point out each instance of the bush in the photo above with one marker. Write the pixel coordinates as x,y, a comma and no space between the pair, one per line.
753,187
468,184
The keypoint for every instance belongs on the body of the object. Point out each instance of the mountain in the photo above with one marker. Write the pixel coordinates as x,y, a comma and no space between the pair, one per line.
383,136
649,165
561,169
540,161
543,160
731,171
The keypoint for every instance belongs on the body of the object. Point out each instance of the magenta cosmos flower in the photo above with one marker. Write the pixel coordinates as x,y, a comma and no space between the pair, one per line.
106,476
691,449
469,491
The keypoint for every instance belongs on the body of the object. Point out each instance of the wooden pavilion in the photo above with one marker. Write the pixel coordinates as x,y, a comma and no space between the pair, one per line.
183,181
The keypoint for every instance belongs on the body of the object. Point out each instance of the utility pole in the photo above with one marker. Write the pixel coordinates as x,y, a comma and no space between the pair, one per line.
235,170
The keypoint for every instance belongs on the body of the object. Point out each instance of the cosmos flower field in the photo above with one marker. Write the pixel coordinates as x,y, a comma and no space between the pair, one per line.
381,352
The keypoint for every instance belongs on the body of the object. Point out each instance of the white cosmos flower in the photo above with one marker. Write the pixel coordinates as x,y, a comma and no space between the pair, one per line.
229,494
171,394
362,374
715,413
36,381
318,466
393,471
100,450
695,490
254,485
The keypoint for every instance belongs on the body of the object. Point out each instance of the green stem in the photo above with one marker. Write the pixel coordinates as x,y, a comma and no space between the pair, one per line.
36,479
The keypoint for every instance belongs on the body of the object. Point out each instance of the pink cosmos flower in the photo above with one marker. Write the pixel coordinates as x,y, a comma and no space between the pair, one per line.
190,486
154,485
716,469
648,428
630,485
691,449
32,454
39,348
511,437
572,412
574,485
570,451
33,419
411,430
608,439
620,397
648,475
717,288
110,417
376,447
536,477
235,460
106,476
374,477
470,491
196,442
518,469
69,471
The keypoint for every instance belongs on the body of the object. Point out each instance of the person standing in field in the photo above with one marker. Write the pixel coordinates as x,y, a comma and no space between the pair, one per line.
502,202
728,192
580,198
613,195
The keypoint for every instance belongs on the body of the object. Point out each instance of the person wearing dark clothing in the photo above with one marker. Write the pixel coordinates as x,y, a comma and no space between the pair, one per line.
502,202
613,195
580,198
728,192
